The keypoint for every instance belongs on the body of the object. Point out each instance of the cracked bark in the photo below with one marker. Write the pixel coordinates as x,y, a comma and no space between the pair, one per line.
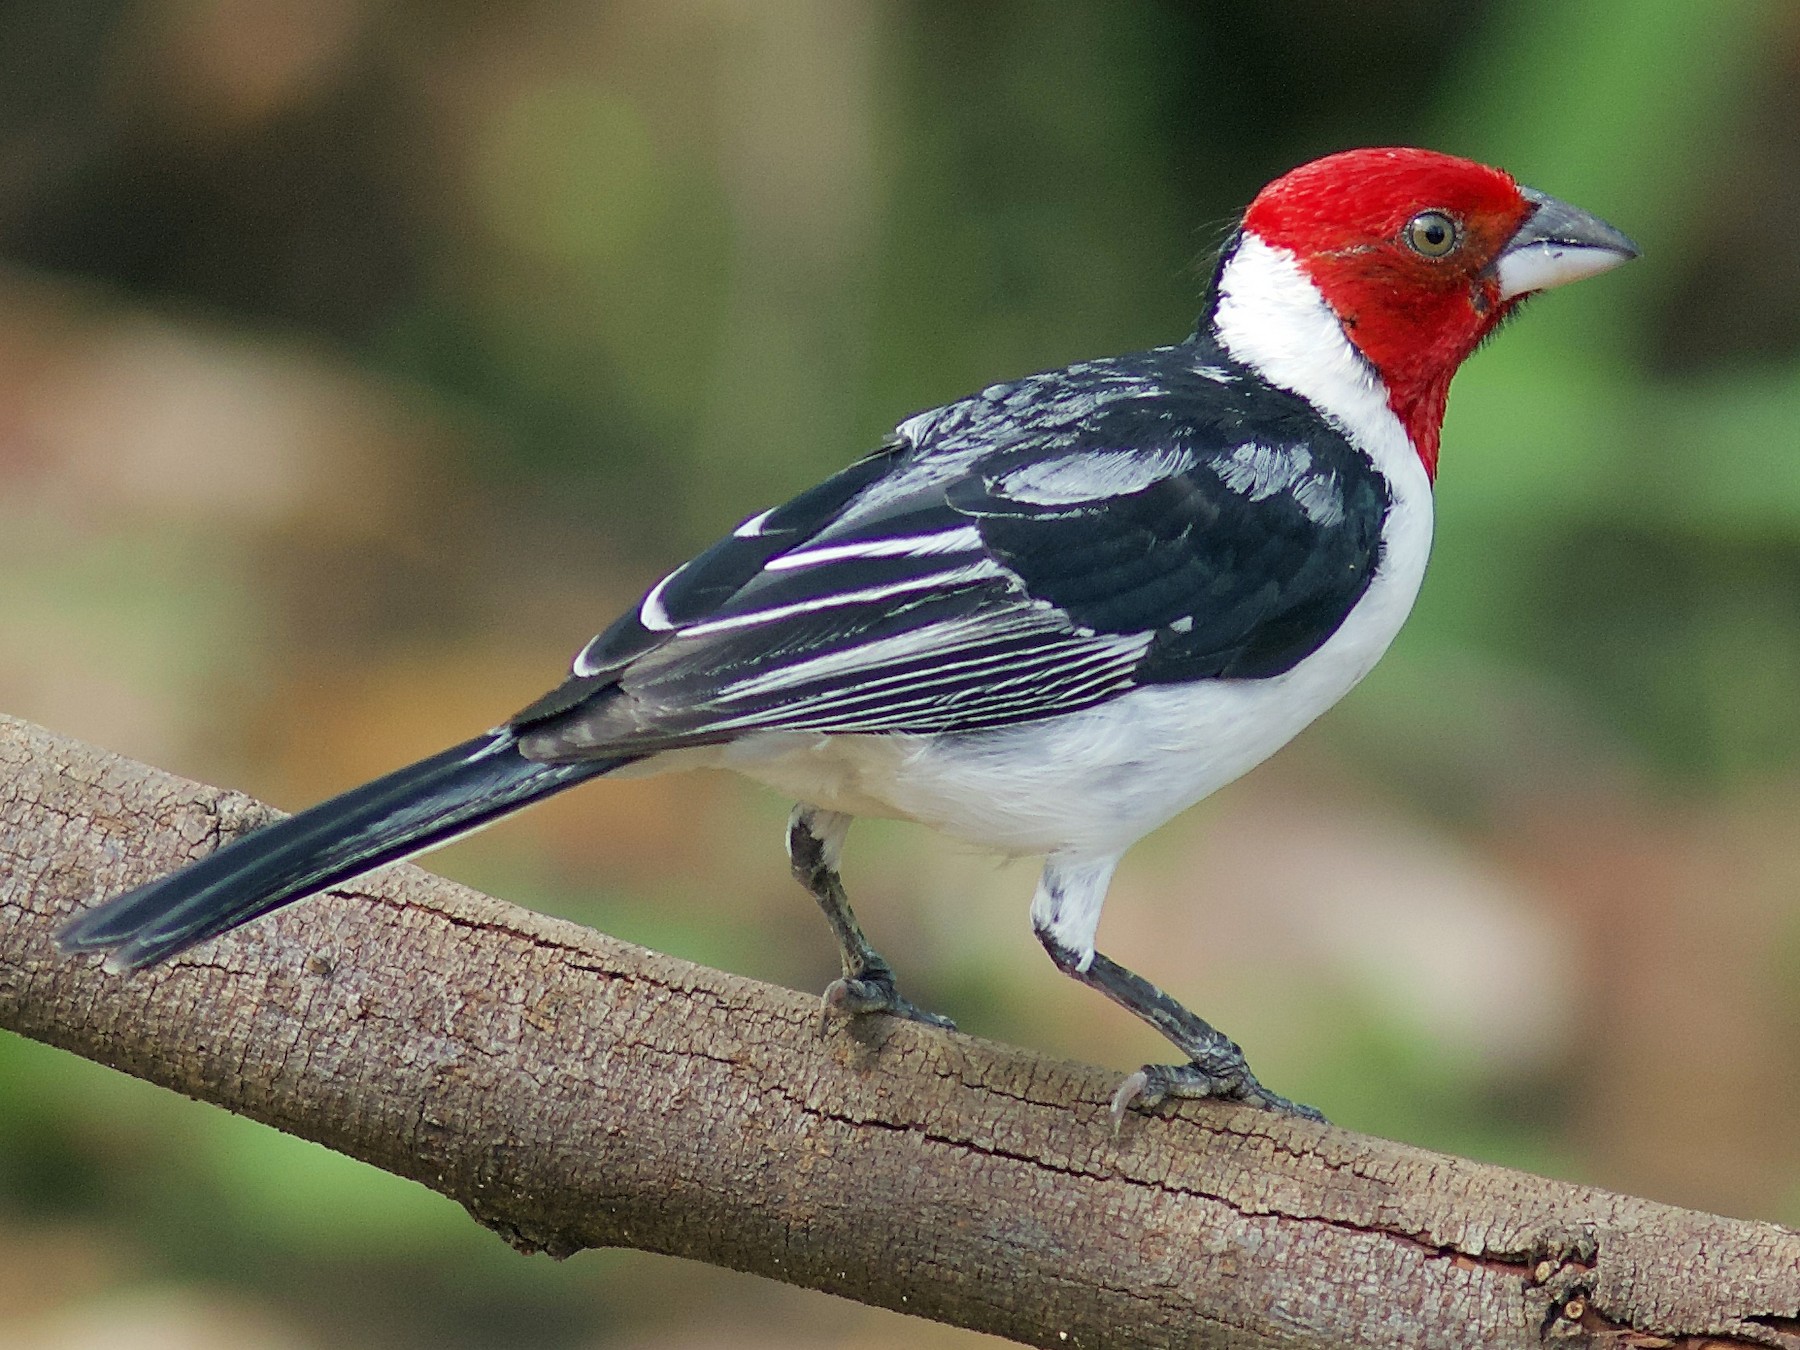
571,1091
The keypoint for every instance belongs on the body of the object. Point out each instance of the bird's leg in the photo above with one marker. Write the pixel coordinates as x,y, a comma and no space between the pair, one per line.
1215,1067
815,840
1065,914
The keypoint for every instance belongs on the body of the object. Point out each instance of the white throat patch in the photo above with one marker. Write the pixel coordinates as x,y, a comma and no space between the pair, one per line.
1271,317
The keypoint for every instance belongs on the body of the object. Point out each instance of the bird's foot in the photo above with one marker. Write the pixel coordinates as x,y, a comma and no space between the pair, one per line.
1215,1066
1222,1077
873,991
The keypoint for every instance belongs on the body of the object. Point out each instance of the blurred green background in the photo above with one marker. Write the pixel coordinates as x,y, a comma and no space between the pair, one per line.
360,358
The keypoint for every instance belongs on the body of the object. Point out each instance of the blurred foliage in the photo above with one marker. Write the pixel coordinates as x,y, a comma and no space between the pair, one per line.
357,358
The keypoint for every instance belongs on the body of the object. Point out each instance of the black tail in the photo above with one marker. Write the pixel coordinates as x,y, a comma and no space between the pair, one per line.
407,812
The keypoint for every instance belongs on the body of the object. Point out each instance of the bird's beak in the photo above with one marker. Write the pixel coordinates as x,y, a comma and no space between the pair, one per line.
1557,244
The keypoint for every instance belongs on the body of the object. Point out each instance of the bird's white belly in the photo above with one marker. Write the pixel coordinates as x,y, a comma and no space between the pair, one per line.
1087,783
1092,782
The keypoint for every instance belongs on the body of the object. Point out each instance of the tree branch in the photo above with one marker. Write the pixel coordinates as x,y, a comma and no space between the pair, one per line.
571,1091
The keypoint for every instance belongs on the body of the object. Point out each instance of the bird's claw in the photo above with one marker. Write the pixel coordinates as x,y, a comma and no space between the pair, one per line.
1134,1091
1155,1083
872,993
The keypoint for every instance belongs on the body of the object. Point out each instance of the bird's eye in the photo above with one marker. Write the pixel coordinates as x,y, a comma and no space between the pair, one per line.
1431,233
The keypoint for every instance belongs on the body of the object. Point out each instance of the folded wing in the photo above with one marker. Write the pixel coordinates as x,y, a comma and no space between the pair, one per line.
1029,582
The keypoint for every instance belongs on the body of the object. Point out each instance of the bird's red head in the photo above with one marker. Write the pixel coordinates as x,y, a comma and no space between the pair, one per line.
1411,249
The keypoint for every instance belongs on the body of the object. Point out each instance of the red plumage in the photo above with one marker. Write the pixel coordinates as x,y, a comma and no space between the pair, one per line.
1415,318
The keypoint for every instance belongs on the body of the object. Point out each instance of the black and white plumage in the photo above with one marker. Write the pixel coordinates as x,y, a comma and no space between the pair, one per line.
1044,618
1040,548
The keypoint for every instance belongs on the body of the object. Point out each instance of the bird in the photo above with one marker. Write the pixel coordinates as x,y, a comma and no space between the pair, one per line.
1044,618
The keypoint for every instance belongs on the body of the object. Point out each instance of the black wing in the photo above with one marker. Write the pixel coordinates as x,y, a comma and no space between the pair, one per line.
1241,561
951,586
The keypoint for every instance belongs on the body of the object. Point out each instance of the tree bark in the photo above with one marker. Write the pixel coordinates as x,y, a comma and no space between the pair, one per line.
572,1091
